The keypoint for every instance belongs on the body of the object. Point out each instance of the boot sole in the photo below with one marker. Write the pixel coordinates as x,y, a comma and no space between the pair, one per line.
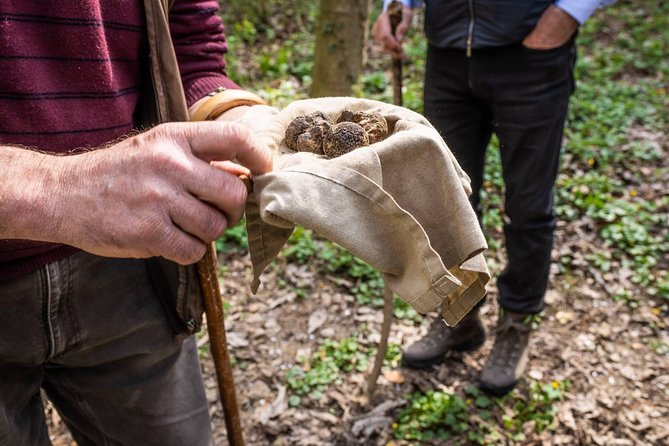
436,360
497,391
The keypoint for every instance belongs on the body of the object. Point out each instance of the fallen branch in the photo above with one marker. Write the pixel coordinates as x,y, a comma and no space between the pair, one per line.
600,281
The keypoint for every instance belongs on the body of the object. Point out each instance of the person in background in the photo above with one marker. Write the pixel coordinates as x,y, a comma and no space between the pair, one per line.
101,208
503,68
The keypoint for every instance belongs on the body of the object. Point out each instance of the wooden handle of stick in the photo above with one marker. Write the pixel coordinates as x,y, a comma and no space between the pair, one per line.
213,304
395,15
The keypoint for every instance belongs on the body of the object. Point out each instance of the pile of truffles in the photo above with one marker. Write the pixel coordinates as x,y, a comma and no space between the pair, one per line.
317,133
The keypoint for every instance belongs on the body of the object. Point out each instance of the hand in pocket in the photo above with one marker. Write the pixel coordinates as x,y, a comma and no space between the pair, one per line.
553,30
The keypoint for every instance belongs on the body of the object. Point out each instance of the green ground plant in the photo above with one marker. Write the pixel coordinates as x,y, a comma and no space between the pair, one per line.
331,362
469,418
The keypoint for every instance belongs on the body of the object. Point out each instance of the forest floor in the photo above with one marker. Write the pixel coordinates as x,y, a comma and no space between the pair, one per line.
599,358
598,370
611,387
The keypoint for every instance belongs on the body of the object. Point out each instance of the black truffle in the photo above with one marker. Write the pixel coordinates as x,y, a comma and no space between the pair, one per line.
307,133
343,138
374,124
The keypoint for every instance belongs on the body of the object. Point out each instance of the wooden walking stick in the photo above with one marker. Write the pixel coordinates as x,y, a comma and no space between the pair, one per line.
395,15
383,342
207,269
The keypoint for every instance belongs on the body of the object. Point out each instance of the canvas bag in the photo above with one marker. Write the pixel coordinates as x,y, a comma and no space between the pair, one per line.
399,204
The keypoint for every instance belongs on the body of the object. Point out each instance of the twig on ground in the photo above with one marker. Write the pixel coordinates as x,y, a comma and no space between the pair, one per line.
600,281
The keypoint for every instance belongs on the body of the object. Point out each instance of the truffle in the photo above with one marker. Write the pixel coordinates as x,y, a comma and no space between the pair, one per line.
307,133
344,137
374,124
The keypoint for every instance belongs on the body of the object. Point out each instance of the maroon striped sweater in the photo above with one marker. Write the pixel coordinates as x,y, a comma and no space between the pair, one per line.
70,77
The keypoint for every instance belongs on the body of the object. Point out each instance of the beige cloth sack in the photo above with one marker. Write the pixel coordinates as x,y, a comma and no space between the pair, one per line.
400,205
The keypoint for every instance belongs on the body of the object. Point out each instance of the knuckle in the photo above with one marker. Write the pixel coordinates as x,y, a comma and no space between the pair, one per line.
233,198
167,157
238,133
164,148
160,235
180,248
154,194
232,188
239,192
215,225
237,195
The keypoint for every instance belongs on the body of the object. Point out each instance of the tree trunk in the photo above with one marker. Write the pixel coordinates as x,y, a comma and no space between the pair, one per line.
340,43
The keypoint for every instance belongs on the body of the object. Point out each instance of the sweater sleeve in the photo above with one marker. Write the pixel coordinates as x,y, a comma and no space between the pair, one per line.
200,46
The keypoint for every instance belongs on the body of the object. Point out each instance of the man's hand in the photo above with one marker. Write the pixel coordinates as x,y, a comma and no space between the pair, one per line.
553,29
383,35
154,194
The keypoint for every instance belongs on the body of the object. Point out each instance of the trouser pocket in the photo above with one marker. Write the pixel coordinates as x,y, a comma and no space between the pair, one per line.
178,288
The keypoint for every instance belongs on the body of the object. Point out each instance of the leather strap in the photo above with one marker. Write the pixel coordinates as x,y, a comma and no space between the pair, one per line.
224,101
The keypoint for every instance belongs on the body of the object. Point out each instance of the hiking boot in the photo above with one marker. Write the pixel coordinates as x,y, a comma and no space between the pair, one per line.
508,358
469,334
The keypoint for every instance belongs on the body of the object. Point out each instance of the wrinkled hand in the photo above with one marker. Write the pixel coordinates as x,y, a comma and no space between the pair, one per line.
383,35
553,29
158,193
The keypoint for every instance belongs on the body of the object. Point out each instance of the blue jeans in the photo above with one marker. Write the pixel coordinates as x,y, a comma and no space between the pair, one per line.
91,332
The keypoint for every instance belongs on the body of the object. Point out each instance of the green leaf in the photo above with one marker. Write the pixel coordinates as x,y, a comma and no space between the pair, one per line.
482,402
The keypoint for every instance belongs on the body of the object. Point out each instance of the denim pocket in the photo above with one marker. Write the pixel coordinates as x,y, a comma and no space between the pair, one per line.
178,289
